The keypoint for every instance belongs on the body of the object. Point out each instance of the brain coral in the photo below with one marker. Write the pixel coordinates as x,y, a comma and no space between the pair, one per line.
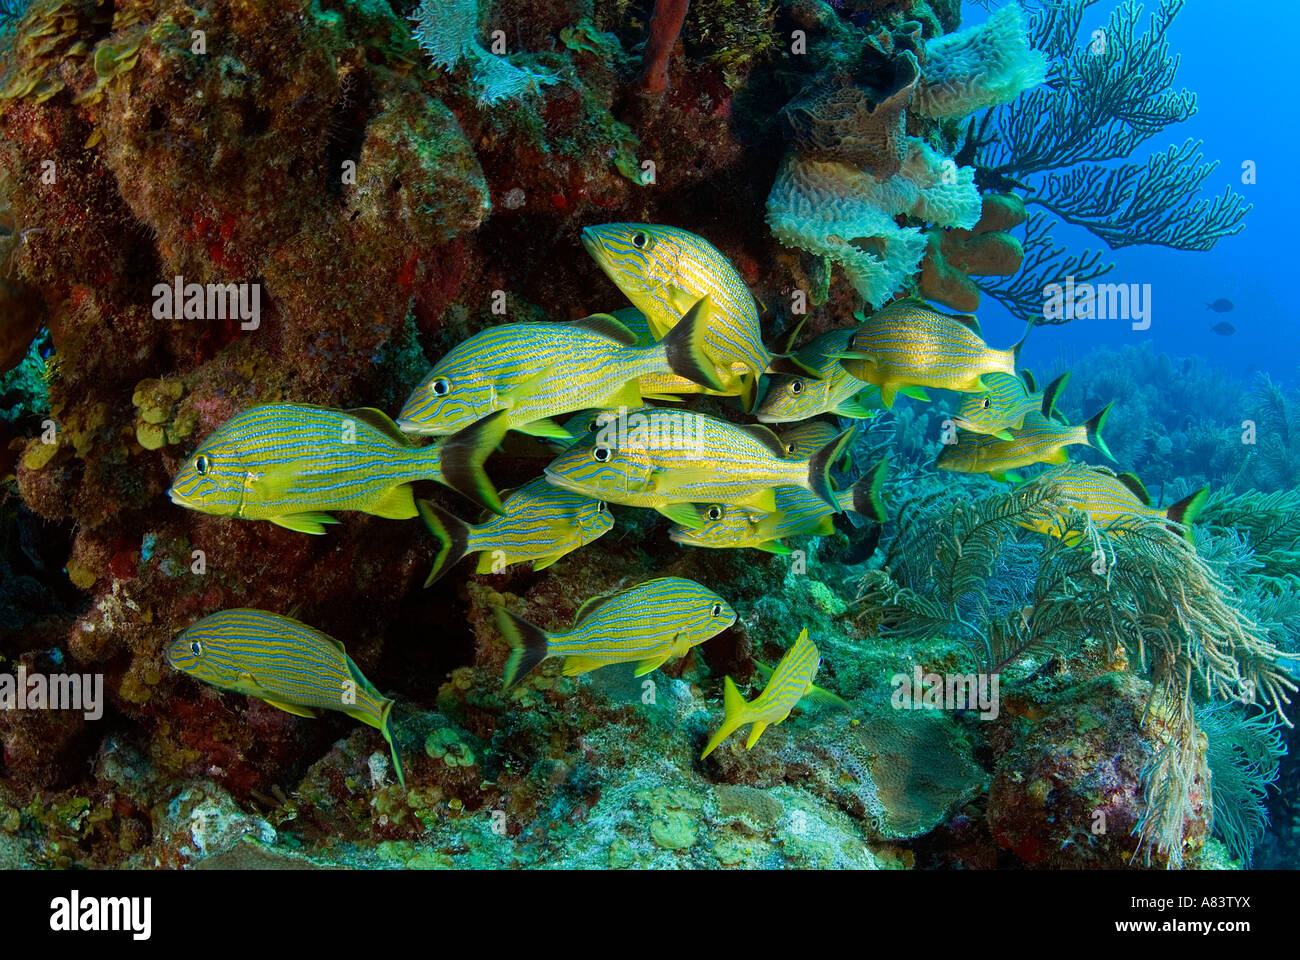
982,66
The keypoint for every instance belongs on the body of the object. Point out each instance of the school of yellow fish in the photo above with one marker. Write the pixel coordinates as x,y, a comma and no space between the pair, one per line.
582,390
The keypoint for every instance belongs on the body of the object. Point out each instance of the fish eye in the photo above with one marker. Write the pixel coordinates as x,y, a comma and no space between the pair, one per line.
715,512
601,454
796,387
789,448
441,387
641,240
202,465
602,507
986,403
594,427
196,648
717,610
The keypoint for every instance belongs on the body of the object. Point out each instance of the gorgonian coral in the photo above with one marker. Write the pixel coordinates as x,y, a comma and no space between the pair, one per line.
447,30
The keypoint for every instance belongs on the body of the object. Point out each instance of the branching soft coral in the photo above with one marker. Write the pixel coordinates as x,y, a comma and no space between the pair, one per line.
447,30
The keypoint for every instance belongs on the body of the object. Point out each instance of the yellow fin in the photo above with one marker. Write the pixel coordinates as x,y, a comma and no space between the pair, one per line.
397,503
754,733
683,513
764,501
650,664
666,481
576,665
544,428
628,395
523,391
543,562
308,522
295,709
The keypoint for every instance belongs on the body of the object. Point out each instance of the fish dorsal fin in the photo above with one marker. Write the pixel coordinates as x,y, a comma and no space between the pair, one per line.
764,436
606,326
592,604
969,321
1031,385
381,422
1136,487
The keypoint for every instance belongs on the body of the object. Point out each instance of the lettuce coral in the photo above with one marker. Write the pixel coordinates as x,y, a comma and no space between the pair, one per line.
982,66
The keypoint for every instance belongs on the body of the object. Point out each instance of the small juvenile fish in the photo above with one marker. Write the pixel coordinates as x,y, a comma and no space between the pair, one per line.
535,371
1008,401
291,463
798,512
1223,328
666,459
1108,498
663,271
648,624
284,663
790,682
1221,305
1041,441
908,346
790,398
538,522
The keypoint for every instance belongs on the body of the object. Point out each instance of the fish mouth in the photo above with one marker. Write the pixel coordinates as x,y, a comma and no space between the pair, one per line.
557,480
415,427
178,498
762,417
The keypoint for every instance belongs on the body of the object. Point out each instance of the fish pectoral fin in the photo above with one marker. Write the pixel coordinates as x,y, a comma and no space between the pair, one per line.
682,300
824,698
311,522
853,408
664,397
628,395
295,709
915,392
683,513
573,666
543,562
666,481
397,503
1004,434
773,546
546,428
1058,456
650,664
522,391
764,501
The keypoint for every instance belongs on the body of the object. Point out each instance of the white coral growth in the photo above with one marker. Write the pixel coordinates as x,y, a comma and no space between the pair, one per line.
836,211
982,66
447,30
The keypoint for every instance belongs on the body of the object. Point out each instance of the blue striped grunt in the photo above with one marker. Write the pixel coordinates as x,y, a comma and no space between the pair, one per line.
1107,498
648,624
804,439
283,662
538,522
798,512
908,346
1008,401
1040,441
658,386
665,459
790,681
790,398
291,463
663,271
535,371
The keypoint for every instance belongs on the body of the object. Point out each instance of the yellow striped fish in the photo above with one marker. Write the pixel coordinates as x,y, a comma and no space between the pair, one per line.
804,439
666,459
1041,441
790,682
658,386
285,663
535,371
1008,401
664,271
790,398
538,522
291,463
648,624
908,346
1108,498
798,513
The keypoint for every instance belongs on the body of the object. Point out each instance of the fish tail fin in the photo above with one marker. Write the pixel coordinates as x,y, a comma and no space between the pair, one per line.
684,346
1092,430
866,493
735,715
451,533
1187,509
462,455
386,728
820,465
528,645
1052,393
1020,344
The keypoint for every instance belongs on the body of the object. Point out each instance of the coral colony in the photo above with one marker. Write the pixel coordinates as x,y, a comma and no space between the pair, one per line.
666,313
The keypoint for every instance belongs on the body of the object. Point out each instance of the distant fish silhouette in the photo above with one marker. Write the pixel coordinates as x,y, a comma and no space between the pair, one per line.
1224,329
1220,306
